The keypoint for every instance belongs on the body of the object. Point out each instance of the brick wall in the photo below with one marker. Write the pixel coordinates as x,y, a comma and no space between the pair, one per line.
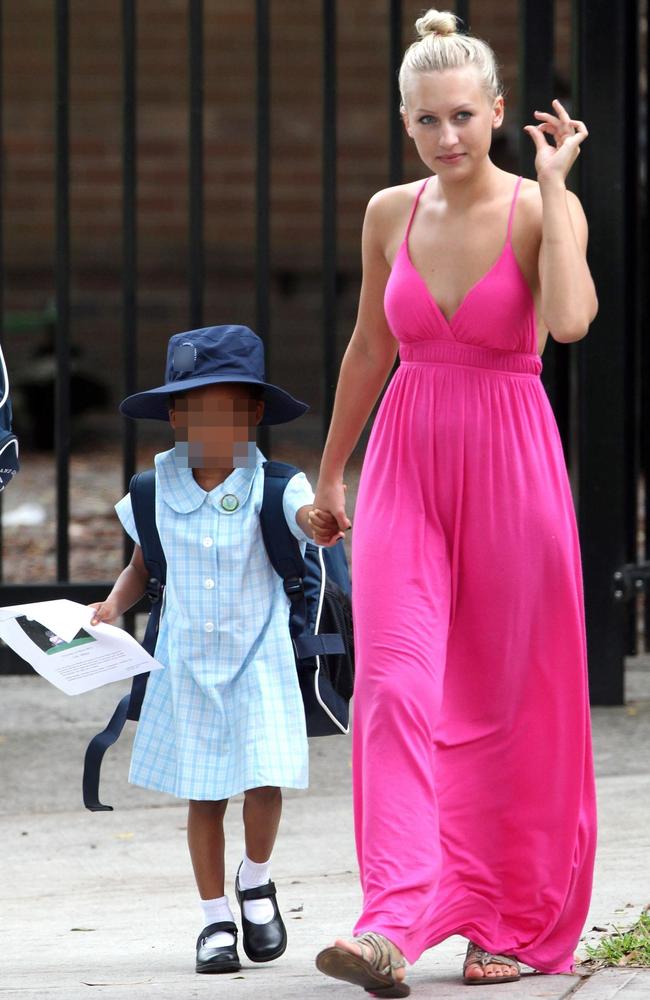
95,124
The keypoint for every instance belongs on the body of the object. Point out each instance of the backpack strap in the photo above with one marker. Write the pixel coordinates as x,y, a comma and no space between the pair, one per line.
286,558
142,489
143,501
95,754
281,546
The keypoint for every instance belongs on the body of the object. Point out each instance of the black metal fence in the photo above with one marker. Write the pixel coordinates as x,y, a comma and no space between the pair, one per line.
599,389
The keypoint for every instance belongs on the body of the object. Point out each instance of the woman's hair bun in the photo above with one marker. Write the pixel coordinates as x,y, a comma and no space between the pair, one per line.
436,22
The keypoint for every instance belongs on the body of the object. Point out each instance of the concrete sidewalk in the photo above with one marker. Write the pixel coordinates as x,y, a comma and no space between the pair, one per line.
103,905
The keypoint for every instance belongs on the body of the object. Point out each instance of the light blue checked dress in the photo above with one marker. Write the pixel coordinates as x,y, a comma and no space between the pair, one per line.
226,714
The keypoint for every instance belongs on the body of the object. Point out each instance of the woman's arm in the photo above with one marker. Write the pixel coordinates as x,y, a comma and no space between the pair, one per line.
568,296
365,367
569,302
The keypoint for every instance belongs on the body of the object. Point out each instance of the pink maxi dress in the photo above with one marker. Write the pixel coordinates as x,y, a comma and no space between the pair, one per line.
473,773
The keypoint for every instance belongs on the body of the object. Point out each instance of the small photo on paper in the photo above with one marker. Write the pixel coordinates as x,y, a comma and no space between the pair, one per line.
47,640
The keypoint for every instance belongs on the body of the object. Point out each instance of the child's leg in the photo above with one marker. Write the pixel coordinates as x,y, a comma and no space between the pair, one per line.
206,842
265,936
205,838
262,812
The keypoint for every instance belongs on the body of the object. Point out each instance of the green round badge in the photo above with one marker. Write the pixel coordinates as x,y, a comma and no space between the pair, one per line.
229,502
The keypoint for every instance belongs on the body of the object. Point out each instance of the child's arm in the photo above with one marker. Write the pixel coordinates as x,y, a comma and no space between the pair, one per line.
129,587
302,519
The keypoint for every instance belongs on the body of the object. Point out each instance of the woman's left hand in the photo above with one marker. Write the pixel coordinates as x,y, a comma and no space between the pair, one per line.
567,134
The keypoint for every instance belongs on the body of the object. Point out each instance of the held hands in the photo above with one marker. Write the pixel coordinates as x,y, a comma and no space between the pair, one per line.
554,162
327,518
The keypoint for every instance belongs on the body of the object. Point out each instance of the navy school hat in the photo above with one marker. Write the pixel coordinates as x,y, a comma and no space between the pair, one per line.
209,356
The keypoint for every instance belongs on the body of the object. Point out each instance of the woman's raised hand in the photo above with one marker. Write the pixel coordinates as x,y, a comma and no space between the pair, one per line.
328,519
567,134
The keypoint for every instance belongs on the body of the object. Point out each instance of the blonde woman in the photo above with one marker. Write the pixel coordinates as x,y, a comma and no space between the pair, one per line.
473,778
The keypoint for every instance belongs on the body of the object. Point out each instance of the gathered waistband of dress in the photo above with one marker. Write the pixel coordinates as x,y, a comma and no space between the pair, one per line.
453,352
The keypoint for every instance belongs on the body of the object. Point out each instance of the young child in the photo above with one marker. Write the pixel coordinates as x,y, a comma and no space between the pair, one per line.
226,715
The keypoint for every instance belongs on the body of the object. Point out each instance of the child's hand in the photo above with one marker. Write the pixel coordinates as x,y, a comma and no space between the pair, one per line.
105,611
328,519
325,527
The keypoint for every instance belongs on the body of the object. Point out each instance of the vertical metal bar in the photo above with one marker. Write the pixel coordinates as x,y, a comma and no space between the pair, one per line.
536,90
462,11
196,240
2,161
263,194
556,379
329,242
395,128
631,186
2,244
536,70
62,282
604,446
644,318
129,239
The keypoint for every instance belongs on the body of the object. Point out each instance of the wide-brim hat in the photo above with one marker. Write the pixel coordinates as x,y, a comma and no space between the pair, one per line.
206,357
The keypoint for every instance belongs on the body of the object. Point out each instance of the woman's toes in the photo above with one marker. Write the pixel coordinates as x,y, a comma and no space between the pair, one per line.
347,945
497,971
492,970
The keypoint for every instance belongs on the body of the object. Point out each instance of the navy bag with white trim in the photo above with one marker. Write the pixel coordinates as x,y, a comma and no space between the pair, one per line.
9,464
320,618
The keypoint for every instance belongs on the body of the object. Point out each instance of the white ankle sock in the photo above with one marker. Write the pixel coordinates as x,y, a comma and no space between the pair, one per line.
251,875
254,873
215,911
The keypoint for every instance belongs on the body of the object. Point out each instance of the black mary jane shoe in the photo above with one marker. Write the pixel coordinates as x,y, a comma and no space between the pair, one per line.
262,942
216,960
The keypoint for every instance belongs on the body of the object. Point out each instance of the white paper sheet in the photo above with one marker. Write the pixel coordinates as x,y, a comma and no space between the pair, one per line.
58,641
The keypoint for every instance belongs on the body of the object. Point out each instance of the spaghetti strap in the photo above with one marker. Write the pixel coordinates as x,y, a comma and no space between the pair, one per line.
415,205
512,208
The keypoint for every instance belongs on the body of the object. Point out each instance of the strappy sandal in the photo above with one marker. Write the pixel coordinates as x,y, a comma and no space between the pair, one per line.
372,969
478,956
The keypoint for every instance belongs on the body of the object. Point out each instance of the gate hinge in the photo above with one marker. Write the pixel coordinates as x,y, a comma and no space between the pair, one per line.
630,580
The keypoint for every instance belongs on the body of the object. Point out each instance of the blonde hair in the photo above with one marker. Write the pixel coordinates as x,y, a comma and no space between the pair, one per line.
440,47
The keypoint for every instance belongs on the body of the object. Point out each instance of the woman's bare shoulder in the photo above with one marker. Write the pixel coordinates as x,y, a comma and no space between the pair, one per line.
530,200
392,202
387,215
529,192
529,204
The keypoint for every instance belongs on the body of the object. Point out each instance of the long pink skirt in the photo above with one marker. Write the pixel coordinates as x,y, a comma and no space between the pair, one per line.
473,776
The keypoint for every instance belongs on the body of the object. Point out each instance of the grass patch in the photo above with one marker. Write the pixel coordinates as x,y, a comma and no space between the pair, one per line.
624,947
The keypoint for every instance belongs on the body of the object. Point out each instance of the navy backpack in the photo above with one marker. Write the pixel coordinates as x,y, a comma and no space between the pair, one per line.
8,442
320,618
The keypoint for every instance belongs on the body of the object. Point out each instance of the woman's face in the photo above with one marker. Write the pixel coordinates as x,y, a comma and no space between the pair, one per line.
450,118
